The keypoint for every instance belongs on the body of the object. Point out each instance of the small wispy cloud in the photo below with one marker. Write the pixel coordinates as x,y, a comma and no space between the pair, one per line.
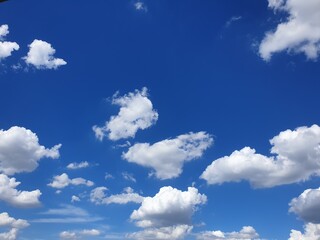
140,6
232,20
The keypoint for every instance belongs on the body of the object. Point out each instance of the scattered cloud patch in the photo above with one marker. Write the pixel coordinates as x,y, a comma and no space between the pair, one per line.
74,165
246,233
311,232
78,234
98,196
163,233
168,156
13,224
108,176
300,33
169,207
140,6
41,56
20,151
128,177
136,112
232,20
297,159
63,180
9,193
75,199
6,48
307,205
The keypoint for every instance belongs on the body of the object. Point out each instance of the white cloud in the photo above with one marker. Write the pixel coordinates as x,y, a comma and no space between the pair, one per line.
246,233
67,214
169,207
168,156
307,205
297,159
140,6
98,196
232,20
77,234
75,199
300,33
14,224
129,177
11,195
63,181
6,48
136,112
20,151
75,165
312,232
163,233
40,55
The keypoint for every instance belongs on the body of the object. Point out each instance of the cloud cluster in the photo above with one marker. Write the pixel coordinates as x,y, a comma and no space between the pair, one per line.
98,196
78,234
63,180
6,48
167,157
246,233
20,151
74,165
300,33
311,232
307,206
297,159
136,112
13,224
41,56
11,195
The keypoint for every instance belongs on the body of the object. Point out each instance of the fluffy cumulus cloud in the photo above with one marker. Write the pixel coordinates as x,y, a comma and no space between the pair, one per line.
98,196
299,33
9,193
169,207
6,48
307,205
20,151
311,232
63,180
41,56
78,234
168,156
74,165
297,158
136,112
162,233
13,224
246,233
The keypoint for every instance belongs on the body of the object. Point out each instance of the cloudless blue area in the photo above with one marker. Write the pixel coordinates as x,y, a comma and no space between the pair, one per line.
202,75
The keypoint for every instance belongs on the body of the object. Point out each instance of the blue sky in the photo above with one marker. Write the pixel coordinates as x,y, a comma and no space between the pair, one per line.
159,119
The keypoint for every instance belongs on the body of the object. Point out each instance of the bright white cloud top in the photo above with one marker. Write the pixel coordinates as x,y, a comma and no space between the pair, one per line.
20,151
167,157
41,56
300,33
11,195
307,205
63,180
6,48
98,196
297,159
311,232
78,234
14,224
169,207
246,233
136,112
74,165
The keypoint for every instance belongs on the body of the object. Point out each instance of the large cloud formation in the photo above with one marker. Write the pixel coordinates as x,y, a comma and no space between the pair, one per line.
246,233
168,156
297,159
6,48
311,232
11,195
136,112
41,56
13,224
300,33
20,151
307,205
